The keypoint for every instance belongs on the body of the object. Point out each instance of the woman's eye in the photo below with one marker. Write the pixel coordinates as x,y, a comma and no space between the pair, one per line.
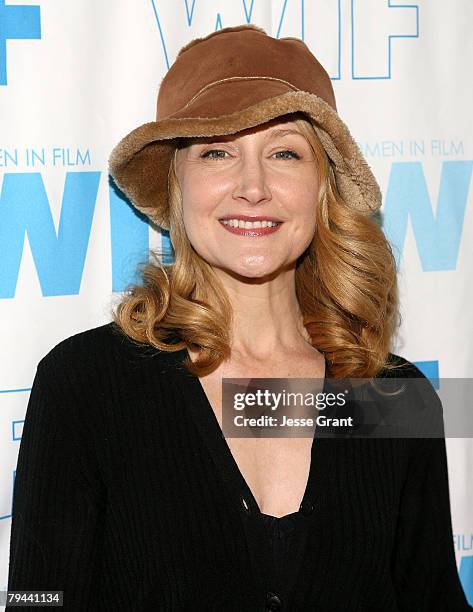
207,154
293,154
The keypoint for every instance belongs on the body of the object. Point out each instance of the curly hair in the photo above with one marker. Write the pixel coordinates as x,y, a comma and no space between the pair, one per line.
346,286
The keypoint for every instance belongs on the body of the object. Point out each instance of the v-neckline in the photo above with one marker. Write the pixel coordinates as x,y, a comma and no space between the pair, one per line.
217,444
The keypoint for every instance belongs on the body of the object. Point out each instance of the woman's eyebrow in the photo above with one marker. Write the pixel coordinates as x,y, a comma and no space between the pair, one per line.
282,132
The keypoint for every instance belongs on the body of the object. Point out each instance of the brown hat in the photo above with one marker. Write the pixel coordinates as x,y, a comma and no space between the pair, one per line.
230,80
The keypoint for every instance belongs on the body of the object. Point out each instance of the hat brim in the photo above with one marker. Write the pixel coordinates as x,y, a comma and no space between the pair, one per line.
139,164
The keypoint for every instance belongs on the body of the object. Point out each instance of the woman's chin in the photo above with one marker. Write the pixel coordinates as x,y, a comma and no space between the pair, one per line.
254,266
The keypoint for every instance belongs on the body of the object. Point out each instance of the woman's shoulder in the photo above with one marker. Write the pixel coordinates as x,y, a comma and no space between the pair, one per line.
98,378
418,401
105,348
101,340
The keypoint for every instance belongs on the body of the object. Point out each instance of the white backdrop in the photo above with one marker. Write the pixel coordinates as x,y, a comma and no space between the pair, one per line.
75,77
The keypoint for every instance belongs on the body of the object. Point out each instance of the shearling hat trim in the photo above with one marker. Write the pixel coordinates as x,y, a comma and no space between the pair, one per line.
133,162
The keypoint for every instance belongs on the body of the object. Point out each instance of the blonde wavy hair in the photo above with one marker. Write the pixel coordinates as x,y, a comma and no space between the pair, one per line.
346,286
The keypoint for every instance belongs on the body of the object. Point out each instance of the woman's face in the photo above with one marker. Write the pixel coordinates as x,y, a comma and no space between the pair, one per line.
268,172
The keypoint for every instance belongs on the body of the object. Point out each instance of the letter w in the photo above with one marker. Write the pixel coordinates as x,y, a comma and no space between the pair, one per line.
438,237
24,208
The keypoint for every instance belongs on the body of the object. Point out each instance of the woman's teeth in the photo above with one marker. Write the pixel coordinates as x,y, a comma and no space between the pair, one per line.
248,224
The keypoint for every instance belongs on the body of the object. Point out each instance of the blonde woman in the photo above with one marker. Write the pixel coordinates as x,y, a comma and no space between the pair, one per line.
127,494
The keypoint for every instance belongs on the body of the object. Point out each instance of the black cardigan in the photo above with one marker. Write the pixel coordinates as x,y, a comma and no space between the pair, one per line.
127,497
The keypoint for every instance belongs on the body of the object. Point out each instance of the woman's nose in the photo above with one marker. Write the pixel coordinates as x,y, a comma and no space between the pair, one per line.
251,181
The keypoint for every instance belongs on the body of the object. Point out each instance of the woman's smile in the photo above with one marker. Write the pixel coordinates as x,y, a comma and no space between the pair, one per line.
242,227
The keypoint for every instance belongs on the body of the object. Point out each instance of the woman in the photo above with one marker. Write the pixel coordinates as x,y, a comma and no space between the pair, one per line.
127,495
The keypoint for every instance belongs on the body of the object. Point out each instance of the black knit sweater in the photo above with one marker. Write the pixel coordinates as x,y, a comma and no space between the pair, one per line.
127,497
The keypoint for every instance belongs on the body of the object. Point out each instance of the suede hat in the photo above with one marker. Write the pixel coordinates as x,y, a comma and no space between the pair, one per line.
233,79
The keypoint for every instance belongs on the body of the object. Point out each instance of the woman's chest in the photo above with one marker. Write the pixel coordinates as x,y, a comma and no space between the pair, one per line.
276,469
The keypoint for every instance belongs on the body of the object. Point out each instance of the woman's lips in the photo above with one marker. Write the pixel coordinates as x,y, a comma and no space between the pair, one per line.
254,231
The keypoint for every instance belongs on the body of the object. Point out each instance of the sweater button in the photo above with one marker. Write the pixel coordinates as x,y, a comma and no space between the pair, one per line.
273,602
245,504
307,507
